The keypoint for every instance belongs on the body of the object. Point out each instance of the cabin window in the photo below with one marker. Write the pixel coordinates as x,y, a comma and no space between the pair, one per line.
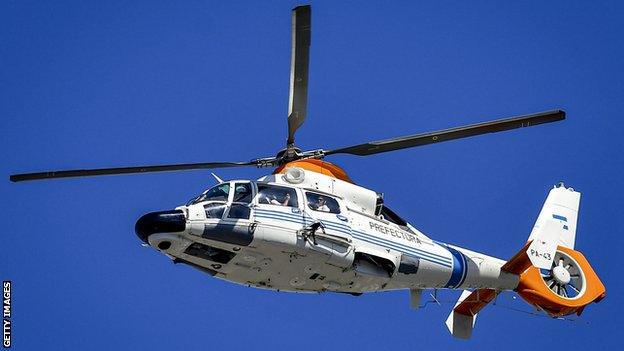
277,195
322,203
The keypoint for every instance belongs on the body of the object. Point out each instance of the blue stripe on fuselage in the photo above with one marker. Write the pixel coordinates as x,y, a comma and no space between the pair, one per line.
458,275
346,229
403,247
374,240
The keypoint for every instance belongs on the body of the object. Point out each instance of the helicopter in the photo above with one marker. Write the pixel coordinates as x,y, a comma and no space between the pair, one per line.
307,227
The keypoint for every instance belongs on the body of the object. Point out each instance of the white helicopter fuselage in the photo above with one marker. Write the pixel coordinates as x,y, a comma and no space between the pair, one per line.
351,245
308,228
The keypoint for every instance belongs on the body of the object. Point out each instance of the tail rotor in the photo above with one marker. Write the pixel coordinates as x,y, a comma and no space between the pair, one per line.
565,278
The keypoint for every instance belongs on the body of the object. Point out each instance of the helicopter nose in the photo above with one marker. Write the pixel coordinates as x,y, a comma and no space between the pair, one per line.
160,222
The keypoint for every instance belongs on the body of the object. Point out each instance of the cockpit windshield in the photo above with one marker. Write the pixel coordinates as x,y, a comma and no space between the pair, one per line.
217,193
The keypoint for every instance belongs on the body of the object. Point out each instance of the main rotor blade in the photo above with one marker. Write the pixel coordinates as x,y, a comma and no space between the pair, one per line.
299,63
500,125
124,170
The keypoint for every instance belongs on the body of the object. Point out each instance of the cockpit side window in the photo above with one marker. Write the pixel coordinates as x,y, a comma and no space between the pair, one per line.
242,192
239,208
215,209
322,203
277,195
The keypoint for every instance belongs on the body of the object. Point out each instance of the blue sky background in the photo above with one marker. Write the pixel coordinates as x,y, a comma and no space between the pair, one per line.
117,83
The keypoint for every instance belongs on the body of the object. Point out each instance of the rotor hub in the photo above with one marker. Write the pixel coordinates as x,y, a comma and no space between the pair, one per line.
290,153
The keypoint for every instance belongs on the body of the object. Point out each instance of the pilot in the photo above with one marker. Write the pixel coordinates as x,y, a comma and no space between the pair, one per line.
321,205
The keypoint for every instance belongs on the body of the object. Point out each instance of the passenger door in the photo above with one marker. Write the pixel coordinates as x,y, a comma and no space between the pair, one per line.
336,233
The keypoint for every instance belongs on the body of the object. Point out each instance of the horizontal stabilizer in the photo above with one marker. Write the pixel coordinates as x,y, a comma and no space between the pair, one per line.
461,320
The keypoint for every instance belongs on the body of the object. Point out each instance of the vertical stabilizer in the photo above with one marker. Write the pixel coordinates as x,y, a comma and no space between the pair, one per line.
553,276
558,216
